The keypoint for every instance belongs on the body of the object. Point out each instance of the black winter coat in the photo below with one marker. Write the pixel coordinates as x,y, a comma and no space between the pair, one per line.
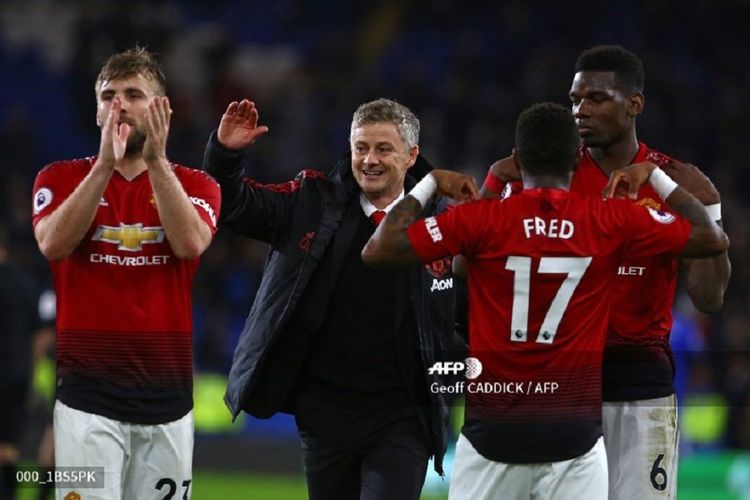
298,219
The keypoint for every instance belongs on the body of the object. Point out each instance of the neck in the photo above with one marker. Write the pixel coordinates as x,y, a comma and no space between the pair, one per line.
130,167
548,181
380,201
616,155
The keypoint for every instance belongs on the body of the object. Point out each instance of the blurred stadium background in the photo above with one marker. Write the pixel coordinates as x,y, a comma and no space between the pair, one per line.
466,69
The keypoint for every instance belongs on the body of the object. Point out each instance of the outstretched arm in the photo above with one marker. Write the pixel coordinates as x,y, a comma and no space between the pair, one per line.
706,238
390,244
706,279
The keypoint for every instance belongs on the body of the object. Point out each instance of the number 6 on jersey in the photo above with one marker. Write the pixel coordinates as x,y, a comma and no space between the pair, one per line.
573,267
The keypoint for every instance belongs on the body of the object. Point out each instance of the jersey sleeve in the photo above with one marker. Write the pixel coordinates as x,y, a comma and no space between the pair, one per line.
205,194
51,188
501,188
655,232
453,232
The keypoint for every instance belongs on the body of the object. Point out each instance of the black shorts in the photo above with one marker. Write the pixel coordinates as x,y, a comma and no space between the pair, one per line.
13,412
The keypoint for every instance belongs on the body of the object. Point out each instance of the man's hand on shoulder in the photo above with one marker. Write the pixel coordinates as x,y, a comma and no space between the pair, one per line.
239,127
625,182
506,169
691,179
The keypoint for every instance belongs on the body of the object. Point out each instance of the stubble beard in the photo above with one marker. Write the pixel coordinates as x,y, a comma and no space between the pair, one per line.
136,141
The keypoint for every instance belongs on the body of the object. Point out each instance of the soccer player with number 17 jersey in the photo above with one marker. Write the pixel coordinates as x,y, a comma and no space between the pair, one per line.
539,266
640,408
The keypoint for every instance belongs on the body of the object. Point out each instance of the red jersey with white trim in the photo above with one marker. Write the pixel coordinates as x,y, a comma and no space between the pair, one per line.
540,268
124,325
638,360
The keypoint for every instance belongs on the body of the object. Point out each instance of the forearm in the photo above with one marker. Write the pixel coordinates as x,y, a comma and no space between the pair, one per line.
187,233
390,244
59,233
707,280
706,238
225,165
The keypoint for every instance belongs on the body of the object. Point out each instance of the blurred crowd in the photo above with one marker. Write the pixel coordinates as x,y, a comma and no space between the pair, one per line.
465,68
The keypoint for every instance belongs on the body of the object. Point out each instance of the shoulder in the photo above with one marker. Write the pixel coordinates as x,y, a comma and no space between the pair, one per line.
192,174
309,174
292,186
657,157
63,167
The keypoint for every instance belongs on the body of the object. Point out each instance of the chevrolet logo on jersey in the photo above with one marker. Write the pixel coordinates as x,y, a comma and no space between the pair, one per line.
129,237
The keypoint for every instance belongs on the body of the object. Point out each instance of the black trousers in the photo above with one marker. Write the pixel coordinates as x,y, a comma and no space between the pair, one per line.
356,455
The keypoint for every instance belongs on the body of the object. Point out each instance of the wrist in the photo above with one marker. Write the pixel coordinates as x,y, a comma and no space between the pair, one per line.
424,190
714,211
104,164
493,182
661,182
158,163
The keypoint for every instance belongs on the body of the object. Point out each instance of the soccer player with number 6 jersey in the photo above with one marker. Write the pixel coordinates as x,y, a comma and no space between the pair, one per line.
540,265
640,408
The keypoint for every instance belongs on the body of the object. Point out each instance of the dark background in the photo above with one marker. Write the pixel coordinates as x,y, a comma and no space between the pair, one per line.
466,68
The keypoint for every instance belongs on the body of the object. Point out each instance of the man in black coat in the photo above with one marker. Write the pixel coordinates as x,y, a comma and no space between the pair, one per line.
344,348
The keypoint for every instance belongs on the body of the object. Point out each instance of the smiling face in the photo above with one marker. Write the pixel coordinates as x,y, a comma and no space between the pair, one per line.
380,159
605,113
134,92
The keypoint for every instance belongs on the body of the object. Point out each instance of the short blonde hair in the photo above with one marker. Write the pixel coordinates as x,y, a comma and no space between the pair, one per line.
132,62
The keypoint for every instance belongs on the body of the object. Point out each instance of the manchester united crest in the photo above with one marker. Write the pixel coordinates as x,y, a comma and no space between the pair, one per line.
439,268
649,203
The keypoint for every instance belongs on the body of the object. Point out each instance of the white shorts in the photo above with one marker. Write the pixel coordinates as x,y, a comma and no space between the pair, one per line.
641,440
476,478
140,461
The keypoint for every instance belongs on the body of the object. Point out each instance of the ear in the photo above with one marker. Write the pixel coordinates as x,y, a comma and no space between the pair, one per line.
636,102
413,153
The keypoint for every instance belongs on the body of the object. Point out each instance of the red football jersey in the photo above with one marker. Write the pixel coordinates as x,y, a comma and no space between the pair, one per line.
638,360
541,266
124,326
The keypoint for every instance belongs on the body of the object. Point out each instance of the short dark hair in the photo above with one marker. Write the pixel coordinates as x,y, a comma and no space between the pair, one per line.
547,140
132,62
627,66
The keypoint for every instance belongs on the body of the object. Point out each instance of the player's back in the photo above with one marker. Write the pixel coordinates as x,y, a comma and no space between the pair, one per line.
541,265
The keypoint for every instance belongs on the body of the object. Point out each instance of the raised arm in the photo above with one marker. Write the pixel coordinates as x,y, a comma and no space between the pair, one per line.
187,233
390,244
706,238
59,233
706,279
499,174
248,207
